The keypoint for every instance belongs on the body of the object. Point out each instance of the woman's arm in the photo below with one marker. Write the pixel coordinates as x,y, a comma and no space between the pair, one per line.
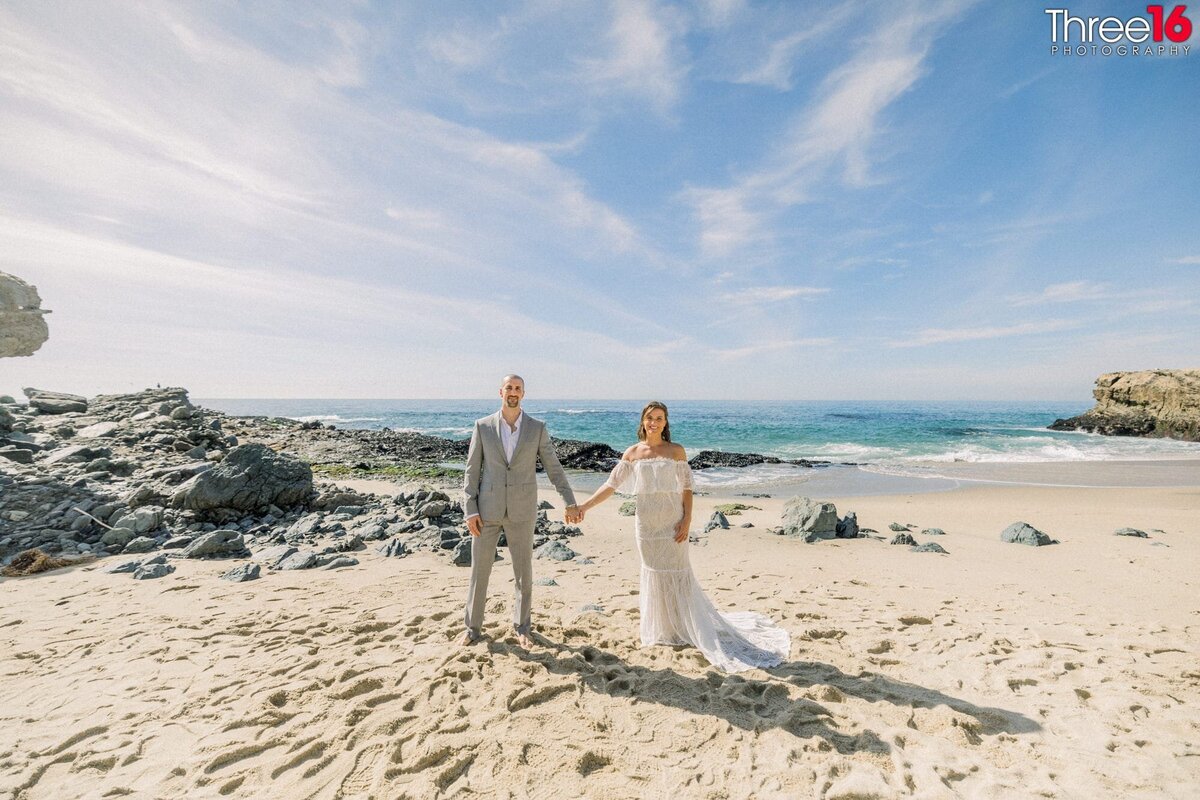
600,495
685,522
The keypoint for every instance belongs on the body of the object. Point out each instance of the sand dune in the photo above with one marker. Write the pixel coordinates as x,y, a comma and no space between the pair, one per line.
995,671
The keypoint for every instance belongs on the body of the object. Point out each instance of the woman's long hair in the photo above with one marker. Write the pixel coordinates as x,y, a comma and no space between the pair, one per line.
653,404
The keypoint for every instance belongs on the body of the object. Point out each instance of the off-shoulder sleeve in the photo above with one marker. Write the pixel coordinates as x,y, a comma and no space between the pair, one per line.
685,475
620,475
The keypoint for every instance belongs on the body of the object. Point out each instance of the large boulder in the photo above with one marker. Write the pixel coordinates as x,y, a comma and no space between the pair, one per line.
250,478
55,402
807,519
1024,533
1155,403
22,319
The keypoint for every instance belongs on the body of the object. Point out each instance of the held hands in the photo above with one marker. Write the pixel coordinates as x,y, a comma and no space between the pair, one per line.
681,530
574,515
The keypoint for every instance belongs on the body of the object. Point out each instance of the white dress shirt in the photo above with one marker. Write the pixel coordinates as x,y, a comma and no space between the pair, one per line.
509,436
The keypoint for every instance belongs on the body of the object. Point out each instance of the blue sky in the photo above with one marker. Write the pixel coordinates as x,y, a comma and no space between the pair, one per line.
624,199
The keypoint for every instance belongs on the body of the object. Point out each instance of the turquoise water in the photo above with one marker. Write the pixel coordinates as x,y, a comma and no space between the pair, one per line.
881,433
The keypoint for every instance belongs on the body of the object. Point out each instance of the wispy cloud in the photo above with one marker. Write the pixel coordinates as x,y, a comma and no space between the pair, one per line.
1070,292
778,65
834,135
641,60
1184,260
775,345
931,336
755,295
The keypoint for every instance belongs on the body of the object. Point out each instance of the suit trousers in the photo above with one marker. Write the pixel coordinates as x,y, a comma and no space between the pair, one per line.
519,534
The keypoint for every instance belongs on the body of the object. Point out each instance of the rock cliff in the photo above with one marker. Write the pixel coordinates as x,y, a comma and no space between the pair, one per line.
22,320
1155,402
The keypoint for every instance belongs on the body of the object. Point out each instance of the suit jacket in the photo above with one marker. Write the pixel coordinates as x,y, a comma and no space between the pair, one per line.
496,489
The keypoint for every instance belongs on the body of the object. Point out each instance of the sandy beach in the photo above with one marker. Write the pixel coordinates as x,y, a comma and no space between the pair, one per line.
997,671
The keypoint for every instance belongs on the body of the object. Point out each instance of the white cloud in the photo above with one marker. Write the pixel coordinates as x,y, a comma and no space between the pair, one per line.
773,294
770,346
1070,292
641,59
930,336
1184,260
833,135
778,65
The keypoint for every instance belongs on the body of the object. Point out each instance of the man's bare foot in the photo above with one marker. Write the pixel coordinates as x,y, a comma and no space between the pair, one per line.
467,639
524,640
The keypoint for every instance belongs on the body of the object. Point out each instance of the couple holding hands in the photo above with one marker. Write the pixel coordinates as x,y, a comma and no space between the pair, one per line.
500,496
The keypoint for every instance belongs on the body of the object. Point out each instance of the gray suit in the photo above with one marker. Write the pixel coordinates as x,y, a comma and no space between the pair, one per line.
504,495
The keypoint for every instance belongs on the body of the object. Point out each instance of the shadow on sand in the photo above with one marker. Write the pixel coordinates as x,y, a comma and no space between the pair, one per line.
758,704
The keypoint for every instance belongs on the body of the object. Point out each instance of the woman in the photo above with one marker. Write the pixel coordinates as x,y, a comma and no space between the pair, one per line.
674,609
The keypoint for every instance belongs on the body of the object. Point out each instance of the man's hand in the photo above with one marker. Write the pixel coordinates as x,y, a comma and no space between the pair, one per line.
574,515
475,525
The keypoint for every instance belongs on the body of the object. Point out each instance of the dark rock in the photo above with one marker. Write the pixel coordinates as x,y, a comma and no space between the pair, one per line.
55,402
394,549
150,570
847,527
929,547
271,556
897,527
243,572
544,505
118,537
432,509
903,538
17,454
1131,532
217,544
707,459
250,478
575,454
142,544
302,559
462,553
122,567
933,532
1024,533
628,508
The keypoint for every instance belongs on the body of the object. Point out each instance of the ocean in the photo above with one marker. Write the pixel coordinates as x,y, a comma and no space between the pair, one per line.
902,444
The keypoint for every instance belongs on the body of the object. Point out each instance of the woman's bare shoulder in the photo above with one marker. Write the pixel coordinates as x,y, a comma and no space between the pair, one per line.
630,453
677,452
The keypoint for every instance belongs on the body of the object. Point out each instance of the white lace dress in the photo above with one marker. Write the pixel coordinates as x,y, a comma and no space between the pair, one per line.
674,608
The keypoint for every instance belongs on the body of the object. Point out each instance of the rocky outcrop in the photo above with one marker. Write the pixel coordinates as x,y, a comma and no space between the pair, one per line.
55,402
1162,403
252,477
22,319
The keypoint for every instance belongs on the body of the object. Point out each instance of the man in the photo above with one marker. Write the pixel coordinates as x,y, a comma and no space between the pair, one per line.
500,494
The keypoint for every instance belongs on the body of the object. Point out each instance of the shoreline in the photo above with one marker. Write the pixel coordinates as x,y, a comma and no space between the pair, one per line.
982,668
